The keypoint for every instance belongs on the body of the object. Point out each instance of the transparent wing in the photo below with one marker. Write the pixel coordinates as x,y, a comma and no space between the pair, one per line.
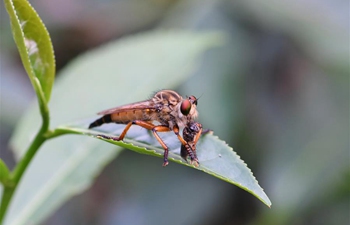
148,104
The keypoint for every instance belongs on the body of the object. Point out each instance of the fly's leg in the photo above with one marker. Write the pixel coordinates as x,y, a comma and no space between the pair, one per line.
186,147
176,131
206,131
194,143
195,140
121,136
190,150
148,126
161,128
154,129
107,137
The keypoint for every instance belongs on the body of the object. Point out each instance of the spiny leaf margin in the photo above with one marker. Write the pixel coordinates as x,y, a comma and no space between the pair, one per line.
149,149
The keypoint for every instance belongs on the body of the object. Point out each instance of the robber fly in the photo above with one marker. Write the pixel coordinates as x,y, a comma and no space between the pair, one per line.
191,134
166,107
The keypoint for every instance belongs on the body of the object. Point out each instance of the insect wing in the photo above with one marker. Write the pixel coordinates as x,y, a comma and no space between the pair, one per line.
143,105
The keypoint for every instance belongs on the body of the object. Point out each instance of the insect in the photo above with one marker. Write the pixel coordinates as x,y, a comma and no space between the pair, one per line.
191,134
166,107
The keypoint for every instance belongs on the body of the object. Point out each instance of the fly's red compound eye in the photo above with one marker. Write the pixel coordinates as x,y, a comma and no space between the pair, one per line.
185,107
193,99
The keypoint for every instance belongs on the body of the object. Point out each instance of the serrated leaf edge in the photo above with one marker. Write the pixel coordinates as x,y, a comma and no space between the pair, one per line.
236,183
22,43
130,144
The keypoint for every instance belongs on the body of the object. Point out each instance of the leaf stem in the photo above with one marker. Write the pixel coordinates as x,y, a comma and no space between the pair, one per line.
43,135
59,131
22,165
19,170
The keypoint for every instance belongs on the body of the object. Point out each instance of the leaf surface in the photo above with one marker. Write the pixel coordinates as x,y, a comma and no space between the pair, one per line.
34,45
215,156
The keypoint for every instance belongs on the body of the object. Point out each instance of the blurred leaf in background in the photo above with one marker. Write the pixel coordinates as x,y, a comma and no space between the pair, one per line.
65,166
277,92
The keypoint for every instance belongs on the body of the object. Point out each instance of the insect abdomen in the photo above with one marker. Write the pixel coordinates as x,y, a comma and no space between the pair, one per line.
128,116
123,117
102,120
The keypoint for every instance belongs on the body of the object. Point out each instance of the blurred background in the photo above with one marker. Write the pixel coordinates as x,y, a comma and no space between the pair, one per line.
278,93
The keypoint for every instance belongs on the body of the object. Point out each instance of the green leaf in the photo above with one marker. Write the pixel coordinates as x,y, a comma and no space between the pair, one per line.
215,156
34,45
127,70
4,173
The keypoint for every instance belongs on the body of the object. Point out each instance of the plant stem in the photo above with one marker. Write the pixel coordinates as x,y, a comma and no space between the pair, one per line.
6,198
19,170
22,165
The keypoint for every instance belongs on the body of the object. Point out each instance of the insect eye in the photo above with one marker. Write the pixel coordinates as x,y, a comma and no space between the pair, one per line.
185,107
193,99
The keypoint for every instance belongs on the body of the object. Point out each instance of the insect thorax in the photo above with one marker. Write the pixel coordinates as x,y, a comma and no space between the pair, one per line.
168,104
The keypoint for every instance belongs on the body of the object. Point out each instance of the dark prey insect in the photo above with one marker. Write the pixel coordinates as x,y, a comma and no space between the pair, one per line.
191,134
166,107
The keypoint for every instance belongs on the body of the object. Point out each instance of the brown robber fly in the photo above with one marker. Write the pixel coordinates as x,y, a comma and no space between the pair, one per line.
191,134
166,107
